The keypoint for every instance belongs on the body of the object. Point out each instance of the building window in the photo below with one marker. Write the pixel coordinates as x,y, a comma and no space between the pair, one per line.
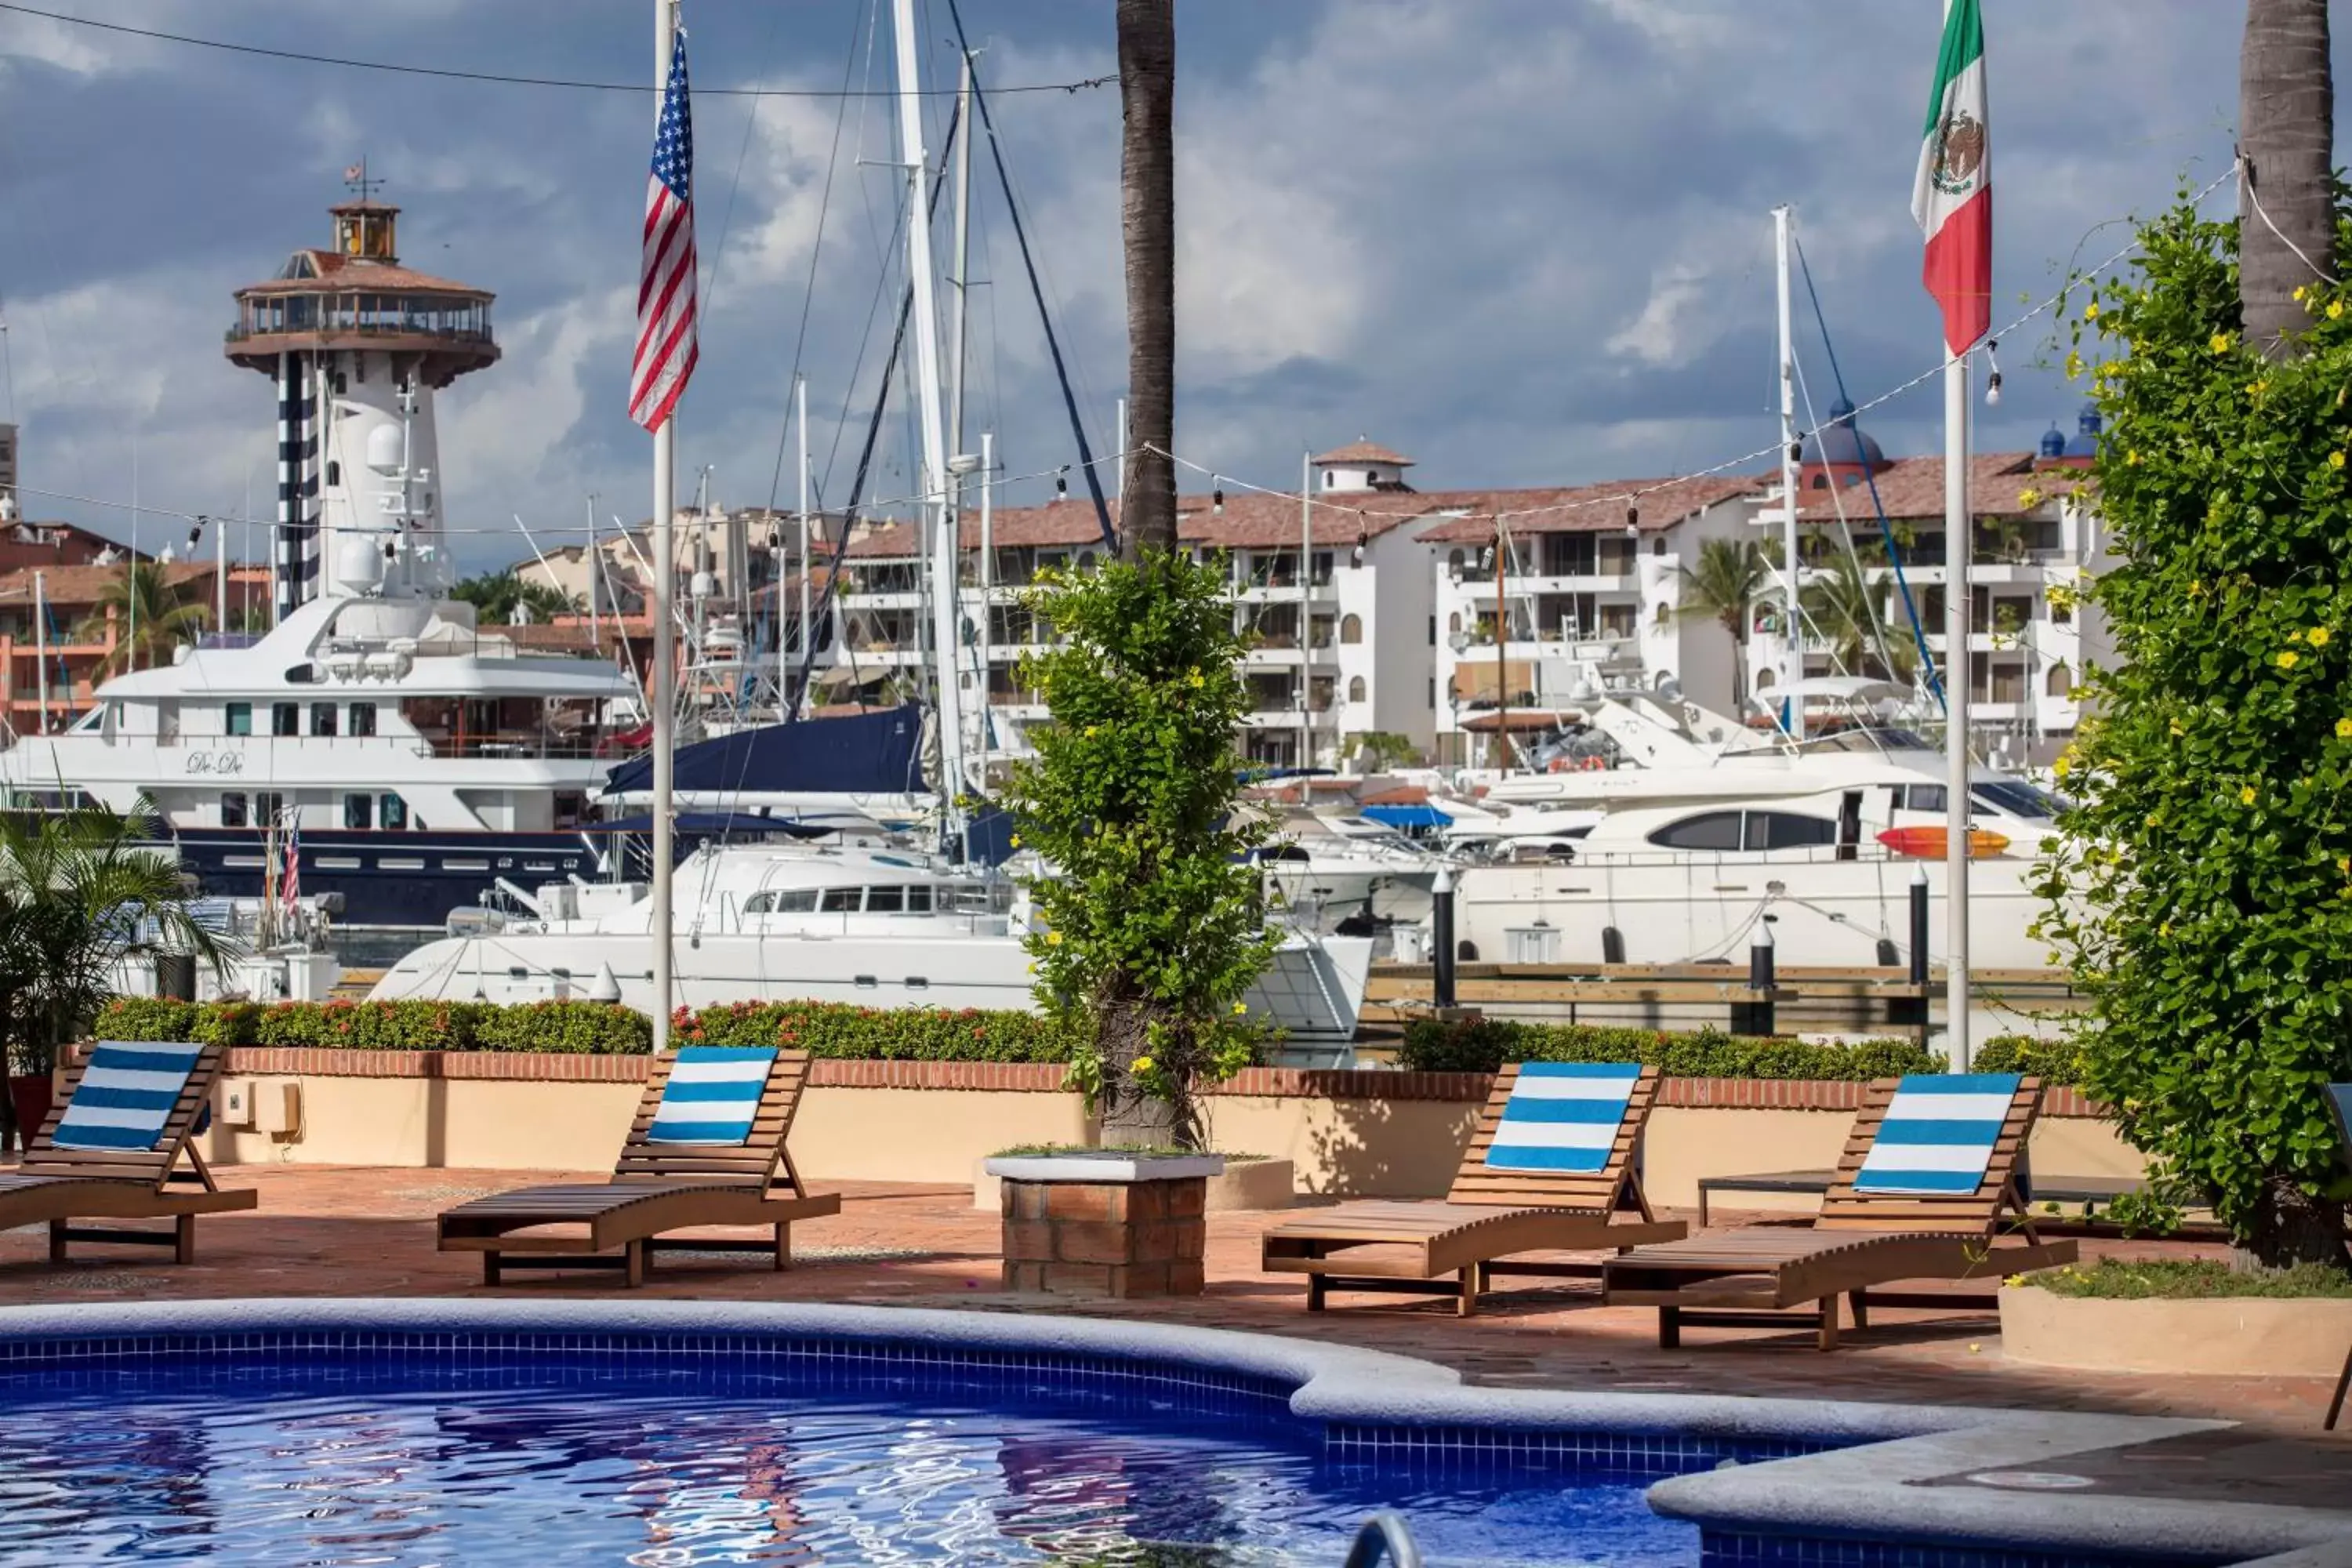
2059,681
334,472
1664,613
363,717
1433,631
1453,623
1330,479
359,811
1433,693
1821,481
2061,613
240,718
1658,545
285,718
234,812
1454,561
269,807
393,811
1356,690
1352,628
323,718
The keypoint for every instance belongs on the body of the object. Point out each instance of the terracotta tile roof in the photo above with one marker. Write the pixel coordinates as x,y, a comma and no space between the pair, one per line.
77,587
1912,489
338,272
1251,521
1584,508
1364,450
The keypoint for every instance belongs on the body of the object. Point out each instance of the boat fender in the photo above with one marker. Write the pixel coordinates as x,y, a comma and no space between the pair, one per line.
1612,945
1888,958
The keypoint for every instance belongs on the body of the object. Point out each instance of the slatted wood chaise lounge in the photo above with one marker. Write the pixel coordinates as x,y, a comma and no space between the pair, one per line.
112,1150
707,1149
1925,1190
1551,1168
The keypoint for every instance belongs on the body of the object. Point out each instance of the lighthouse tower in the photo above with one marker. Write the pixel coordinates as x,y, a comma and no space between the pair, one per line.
357,344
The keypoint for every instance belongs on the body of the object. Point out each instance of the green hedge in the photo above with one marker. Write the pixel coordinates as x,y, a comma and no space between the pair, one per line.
825,1029
1486,1044
2057,1063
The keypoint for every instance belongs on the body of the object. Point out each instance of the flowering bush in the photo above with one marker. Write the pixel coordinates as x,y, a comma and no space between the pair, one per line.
2201,890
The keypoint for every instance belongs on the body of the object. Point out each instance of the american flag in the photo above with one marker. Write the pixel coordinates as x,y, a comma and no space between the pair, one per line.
665,346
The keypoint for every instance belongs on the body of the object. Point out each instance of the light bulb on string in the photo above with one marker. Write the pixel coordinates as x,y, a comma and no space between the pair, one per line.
1992,381
1216,495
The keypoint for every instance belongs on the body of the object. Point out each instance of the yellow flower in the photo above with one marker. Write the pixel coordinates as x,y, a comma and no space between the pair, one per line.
2176,728
1015,841
1142,1064
2343,729
2163,930
2131,460
1240,1008
1090,732
2029,498
2246,795
2257,387
2300,290
1052,939
2334,460
2344,863
1196,679
2196,590
2220,344
2074,364
2288,658
2316,636
2335,309
2091,311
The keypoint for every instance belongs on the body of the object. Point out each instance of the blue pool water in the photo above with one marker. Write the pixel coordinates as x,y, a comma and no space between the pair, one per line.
358,1458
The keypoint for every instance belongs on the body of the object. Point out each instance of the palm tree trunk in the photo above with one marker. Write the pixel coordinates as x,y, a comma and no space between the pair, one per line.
1147,87
2286,130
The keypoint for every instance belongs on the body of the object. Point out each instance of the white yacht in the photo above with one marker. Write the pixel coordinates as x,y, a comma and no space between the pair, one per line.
400,757
882,928
1678,860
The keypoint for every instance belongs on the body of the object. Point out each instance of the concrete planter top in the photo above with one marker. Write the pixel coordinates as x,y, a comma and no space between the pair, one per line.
1104,1166
2223,1336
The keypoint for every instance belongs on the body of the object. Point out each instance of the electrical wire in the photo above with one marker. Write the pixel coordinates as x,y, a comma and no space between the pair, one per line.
503,80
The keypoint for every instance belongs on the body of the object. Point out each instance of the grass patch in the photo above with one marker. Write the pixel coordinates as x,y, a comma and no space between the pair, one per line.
2115,1280
1051,1150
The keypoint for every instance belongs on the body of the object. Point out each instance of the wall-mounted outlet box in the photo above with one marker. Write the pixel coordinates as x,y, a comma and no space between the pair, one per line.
232,1104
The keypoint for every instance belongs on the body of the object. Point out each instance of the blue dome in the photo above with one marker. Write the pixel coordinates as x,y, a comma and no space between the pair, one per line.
1842,443
2085,442
2053,441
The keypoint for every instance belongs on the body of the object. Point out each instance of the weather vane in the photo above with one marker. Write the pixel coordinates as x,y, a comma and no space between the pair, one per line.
356,177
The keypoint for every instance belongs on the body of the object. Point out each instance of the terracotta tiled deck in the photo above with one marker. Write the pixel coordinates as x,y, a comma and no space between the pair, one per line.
355,1232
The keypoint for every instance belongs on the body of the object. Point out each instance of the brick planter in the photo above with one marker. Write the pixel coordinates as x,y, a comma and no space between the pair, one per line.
1079,1226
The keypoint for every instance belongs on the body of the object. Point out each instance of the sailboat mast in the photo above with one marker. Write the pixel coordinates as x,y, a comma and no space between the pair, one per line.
1792,662
936,503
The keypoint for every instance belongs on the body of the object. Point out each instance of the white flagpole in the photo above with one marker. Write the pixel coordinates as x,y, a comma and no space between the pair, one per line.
1792,658
1958,672
664,702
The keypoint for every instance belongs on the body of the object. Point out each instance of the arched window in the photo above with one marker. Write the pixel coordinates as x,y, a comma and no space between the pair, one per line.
1821,481
2059,681
1356,690
1352,628
1763,680
1658,545
1454,563
1664,614
1453,623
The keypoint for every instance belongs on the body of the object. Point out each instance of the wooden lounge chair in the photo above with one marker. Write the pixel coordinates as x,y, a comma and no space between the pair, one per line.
112,1147
1551,1166
707,1149
1929,1173
2339,1099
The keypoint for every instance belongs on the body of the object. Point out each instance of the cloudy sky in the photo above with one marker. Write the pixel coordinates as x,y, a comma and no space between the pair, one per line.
1525,241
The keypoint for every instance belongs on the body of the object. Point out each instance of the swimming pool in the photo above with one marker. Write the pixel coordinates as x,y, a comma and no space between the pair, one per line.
668,1433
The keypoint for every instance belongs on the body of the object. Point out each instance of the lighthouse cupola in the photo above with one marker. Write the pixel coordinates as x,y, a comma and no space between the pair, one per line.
356,345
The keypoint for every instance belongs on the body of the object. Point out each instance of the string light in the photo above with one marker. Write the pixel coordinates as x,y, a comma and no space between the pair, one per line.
1992,381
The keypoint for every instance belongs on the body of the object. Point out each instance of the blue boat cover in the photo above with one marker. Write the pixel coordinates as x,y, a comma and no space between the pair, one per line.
864,753
1409,815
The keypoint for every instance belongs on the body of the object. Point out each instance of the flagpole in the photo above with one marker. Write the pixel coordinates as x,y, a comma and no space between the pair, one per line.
1958,675
665,737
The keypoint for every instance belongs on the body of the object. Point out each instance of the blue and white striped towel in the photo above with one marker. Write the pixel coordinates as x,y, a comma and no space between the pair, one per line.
712,1095
126,1095
1562,1116
1938,1134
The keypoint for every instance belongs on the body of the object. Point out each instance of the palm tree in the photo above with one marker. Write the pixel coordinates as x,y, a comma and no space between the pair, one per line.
79,893
1842,605
498,595
1147,90
2286,129
1729,577
150,620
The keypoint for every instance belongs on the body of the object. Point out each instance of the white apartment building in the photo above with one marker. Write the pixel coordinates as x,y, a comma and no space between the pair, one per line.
2031,531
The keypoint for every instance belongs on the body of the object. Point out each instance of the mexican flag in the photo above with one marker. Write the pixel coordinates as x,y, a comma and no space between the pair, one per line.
1952,197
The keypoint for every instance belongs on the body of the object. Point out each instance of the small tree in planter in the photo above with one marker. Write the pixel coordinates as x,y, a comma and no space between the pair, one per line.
1151,931
78,894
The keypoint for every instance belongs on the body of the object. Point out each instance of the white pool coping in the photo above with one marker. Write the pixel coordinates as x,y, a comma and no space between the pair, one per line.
1108,1167
1856,1492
